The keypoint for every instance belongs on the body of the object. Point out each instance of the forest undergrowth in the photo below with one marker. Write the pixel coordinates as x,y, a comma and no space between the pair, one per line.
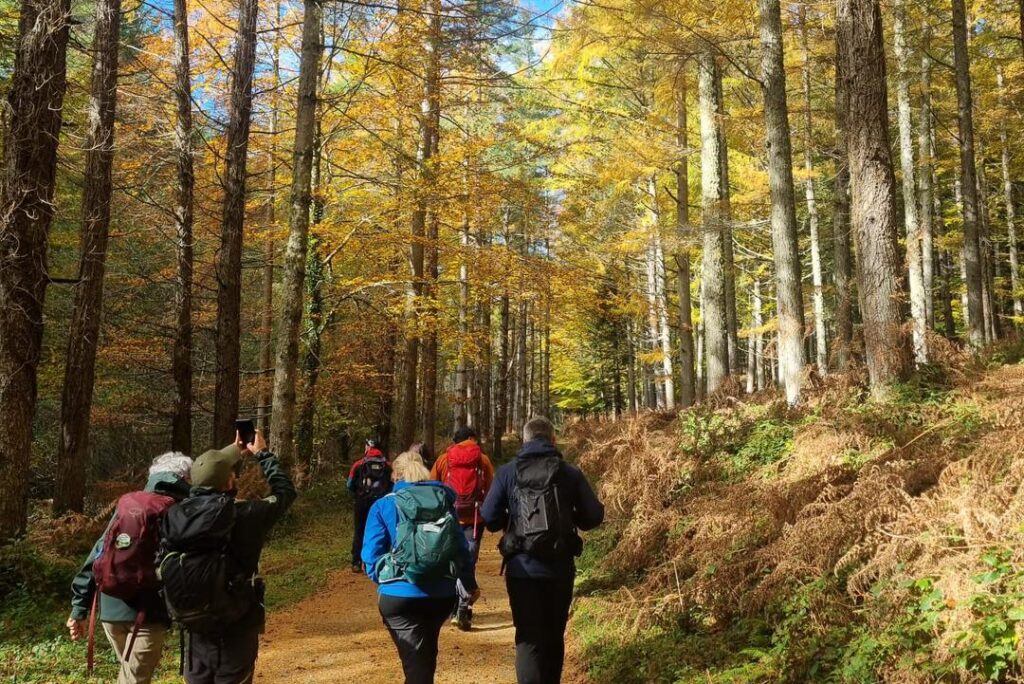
846,540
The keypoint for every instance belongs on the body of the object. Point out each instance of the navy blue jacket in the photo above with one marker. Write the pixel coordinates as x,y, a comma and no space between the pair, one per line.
587,512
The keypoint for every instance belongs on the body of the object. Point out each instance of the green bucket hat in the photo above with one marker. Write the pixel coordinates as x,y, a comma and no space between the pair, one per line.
214,468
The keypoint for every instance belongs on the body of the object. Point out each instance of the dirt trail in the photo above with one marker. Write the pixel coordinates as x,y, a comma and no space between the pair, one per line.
337,636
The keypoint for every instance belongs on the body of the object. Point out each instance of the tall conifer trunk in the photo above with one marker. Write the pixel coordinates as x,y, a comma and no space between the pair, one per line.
873,193
282,421
83,336
785,246
35,107
229,257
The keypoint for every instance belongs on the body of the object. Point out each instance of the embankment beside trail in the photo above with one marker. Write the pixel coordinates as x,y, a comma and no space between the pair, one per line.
848,540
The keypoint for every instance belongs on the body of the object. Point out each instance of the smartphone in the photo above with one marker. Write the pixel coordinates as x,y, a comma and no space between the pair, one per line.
246,429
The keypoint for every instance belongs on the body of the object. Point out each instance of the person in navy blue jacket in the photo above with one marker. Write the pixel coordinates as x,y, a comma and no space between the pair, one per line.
540,588
413,614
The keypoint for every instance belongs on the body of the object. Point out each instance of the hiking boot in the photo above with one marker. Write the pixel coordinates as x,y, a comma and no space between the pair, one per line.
464,618
357,568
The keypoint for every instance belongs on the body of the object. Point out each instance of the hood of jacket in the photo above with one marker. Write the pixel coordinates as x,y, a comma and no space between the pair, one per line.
538,448
168,484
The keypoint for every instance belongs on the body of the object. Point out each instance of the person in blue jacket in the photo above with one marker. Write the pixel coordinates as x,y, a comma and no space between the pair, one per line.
413,614
539,584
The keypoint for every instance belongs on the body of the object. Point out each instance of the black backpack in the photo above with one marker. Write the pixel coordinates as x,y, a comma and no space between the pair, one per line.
202,587
540,523
373,479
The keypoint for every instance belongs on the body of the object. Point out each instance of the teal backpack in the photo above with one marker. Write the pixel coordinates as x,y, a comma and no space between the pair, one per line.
426,548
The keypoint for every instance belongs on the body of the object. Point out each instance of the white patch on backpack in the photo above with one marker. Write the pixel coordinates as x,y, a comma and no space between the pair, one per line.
122,541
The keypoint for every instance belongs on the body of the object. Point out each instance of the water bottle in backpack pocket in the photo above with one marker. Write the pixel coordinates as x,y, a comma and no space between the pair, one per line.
202,588
426,545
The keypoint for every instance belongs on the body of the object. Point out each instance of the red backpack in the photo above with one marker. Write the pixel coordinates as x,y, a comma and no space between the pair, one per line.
465,475
126,566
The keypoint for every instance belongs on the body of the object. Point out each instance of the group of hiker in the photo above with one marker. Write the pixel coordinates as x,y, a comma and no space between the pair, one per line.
418,534
185,551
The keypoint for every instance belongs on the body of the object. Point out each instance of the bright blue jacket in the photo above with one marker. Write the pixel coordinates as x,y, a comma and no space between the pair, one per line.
381,526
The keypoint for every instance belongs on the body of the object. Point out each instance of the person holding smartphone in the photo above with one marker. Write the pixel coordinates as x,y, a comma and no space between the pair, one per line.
223,650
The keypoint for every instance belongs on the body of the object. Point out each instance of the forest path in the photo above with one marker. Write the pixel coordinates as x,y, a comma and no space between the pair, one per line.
337,636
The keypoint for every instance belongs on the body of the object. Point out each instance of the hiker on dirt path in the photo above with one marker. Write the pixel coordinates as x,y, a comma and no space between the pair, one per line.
369,479
415,551
467,470
144,620
540,501
210,562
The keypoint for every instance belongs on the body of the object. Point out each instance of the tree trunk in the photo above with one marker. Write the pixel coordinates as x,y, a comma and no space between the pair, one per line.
657,309
842,257
1011,213
34,112
988,301
785,245
315,323
873,193
461,415
949,324
715,200
428,429
229,258
546,359
83,335
501,393
282,422
700,357
924,185
910,215
485,423
969,182
631,368
817,281
754,341
688,390
424,152
269,250
181,357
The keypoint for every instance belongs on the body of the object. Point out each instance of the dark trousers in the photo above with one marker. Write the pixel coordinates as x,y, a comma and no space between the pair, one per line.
361,511
540,611
226,659
415,626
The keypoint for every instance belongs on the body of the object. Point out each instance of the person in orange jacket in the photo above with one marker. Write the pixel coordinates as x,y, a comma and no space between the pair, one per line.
467,470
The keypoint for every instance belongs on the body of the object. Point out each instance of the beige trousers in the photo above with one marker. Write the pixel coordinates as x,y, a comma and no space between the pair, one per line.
139,665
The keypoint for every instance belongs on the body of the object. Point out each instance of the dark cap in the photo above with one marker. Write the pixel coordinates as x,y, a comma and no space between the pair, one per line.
214,468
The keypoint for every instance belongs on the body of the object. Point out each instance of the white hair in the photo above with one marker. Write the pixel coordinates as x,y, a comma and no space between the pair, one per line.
173,462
